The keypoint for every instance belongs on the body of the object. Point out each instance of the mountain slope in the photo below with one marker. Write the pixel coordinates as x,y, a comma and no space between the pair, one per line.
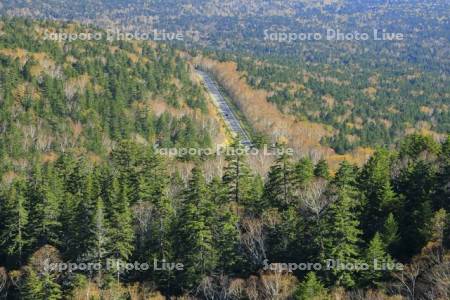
84,96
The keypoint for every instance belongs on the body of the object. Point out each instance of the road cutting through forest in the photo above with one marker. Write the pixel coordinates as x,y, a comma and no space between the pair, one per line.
224,108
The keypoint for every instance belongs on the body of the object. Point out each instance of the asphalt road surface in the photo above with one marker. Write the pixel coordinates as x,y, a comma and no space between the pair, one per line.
224,109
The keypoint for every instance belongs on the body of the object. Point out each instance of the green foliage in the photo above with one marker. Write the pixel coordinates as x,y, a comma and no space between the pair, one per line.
342,232
74,177
380,199
194,232
416,185
278,190
81,97
371,103
14,230
238,178
311,289
322,170
415,145
45,192
120,229
376,258
130,207
39,287
304,172
390,233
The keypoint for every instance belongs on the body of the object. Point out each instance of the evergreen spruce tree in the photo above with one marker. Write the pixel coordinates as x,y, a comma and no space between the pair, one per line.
283,235
33,287
126,161
217,191
415,183
154,240
390,233
160,242
51,289
40,287
380,199
303,172
256,204
376,257
237,177
342,234
227,242
153,180
321,170
45,192
196,248
84,219
119,218
278,190
311,289
14,216
98,248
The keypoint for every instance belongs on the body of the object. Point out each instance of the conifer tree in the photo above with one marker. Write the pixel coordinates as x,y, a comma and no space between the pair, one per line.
159,244
40,286
237,177
390,234
83,222
283,234
278,190
126,160
321,170
196,248
380,199
217,191
14,216
45,192
341,225
415,184
51,289
118,215
98,249
33,287
227,241
303,172
378,261
311,289
153,180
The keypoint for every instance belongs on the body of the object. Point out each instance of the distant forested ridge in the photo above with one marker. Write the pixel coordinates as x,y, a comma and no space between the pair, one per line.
370,92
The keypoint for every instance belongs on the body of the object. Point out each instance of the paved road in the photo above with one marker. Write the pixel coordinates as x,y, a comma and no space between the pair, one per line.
224,109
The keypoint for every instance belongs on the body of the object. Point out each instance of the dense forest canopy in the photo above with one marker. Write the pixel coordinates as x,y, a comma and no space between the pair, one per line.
91,209
84,96
369,91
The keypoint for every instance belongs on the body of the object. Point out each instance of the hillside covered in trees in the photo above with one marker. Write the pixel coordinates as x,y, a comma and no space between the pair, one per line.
368,91
89,209
231,235
84,96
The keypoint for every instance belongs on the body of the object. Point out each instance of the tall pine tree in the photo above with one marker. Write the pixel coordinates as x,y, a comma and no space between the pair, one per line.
342,233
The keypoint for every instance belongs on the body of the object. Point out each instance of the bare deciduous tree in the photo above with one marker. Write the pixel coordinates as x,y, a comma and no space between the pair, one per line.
253,239
312,198
277,285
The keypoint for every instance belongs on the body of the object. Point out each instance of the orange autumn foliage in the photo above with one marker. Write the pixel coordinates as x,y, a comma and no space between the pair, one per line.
303,136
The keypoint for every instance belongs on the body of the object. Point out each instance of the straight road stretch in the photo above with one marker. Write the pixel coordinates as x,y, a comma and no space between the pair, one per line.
224,109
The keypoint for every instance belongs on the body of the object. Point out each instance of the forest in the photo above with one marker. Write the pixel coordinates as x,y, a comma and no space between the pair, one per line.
230,235
369,92
90,210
